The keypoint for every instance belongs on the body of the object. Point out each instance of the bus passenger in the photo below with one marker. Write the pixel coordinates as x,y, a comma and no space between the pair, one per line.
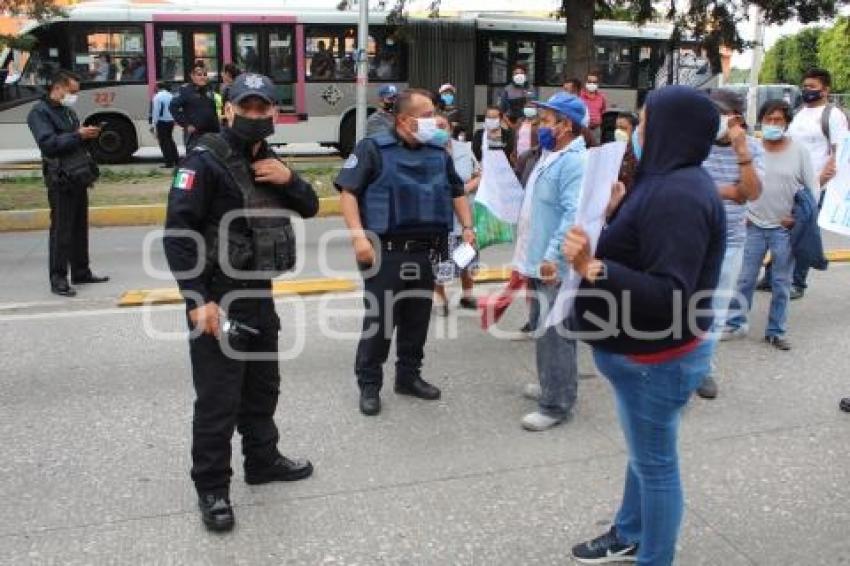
322,65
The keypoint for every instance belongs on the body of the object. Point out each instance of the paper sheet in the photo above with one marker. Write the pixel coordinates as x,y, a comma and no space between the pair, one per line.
601,172
835,213
463,255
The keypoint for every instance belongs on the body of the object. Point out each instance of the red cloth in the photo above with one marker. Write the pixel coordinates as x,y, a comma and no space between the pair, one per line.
492,307
667,355
596,106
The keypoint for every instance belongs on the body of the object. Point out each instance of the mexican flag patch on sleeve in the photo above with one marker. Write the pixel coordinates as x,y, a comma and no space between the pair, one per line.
184,179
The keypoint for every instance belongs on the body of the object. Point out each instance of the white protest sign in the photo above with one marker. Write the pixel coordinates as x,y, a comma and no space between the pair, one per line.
835,213
601,172
500,190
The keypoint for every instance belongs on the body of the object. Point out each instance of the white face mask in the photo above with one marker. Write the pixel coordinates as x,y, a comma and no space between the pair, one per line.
621,135
592,87
723,130
390,43
519,79
425,129
69,100
491,124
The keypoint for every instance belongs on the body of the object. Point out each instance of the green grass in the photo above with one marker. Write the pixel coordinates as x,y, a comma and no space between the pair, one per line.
127,188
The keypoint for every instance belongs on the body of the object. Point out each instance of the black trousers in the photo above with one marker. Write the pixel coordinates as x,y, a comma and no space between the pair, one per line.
165,137
233,394
397,298
69,232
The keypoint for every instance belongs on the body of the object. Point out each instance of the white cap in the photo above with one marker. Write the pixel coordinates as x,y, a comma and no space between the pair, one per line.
445,87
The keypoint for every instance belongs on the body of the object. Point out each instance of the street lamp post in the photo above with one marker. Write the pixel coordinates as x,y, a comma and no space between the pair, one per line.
362,69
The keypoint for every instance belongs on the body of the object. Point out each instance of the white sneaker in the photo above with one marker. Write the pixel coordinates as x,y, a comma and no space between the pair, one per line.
538,422
532,391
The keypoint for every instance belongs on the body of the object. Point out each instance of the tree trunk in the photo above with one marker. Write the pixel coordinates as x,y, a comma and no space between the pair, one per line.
579,14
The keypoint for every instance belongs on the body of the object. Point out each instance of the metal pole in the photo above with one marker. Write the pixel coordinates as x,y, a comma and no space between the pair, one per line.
755,68
362,68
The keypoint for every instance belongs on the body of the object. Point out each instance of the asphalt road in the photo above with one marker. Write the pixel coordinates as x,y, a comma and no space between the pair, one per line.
95,410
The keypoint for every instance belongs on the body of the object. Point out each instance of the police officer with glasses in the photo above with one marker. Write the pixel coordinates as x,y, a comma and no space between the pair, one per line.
398,193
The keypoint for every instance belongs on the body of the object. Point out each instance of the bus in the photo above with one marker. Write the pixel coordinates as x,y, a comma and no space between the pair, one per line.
122,49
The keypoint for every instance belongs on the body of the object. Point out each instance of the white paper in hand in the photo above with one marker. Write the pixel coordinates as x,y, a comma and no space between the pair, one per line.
463,255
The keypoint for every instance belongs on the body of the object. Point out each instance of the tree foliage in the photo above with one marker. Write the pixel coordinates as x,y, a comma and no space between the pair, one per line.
834,54
791,57
31,9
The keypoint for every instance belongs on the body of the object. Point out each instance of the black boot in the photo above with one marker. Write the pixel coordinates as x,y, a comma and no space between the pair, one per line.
283,469
216,512
59,286
88,277
417,387
370,401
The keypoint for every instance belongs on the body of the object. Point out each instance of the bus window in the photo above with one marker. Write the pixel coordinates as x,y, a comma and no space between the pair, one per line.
281,60
348,70
387,62
614,62
110,54
205,48
172,64
320,53
498,51
556,64
247,54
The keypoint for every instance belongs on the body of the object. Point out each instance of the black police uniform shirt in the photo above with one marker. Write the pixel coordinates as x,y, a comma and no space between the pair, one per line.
363,167
194,106
202,193
54,128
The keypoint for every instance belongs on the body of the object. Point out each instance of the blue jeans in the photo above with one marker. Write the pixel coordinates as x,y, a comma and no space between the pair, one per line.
650,399
759,241
557,362
726,285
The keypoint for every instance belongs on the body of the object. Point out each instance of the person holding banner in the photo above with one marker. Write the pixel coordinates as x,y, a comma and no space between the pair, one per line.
645,307
547,211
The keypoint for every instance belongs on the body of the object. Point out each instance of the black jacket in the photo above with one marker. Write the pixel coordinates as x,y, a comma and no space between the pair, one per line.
193,107
54,128
201,194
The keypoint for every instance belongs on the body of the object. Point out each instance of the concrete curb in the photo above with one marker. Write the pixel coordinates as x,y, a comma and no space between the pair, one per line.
125,215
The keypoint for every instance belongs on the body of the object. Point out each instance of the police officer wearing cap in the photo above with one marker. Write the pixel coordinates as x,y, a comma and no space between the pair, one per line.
382,119
227,235
398,194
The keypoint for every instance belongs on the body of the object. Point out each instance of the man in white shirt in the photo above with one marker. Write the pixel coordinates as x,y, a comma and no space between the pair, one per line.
820,127
162,124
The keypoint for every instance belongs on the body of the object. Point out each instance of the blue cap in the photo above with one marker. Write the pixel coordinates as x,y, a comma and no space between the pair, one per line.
252,84
387,91
567,105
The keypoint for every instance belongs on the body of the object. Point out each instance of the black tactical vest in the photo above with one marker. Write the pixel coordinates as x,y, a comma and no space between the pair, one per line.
268,248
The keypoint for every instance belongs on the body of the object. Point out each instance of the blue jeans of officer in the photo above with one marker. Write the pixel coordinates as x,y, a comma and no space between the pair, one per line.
557,363
650,399
759,241
398,298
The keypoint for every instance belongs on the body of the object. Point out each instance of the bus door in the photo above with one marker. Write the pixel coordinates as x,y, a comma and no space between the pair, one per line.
269,50
179,46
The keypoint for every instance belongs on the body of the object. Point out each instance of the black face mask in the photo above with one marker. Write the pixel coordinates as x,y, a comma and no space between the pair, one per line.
252,130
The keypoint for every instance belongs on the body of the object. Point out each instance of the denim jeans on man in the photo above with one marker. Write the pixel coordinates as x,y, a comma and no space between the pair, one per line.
759,241
557,363
650,399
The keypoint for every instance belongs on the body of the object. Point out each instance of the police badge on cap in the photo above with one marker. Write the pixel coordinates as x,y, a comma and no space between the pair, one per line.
252,84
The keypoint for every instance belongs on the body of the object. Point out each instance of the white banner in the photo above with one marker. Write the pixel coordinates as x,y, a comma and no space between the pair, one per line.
601,172
835,213
500,190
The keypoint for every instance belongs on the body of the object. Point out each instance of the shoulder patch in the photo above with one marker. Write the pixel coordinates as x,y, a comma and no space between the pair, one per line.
184,179
351,162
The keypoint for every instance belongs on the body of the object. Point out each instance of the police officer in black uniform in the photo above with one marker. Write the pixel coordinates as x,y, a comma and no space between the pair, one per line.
233,193
194,107
68,170
399,190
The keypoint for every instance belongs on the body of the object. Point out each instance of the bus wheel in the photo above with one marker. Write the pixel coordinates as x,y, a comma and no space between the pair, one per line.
347,133
116,143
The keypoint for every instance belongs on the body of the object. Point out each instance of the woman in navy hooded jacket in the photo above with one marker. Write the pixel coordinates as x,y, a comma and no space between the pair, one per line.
657,262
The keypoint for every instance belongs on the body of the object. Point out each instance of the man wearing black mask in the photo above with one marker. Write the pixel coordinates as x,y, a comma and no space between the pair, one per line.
382,120
228,234
194,107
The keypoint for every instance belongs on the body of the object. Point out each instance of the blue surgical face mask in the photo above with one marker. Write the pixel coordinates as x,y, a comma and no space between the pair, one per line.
637,149
772,133
546,138
441,137
448,98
